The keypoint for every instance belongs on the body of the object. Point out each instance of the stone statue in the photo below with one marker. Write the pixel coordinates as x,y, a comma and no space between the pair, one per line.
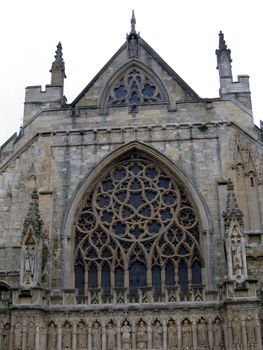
186,334
29,262
96,337
202,333
218,336
18,337
251,337
236,333
6,336
31,336
126,335
141,336
157,335
237,259
111,337
81,336
67,337
133,47
171,335
52,337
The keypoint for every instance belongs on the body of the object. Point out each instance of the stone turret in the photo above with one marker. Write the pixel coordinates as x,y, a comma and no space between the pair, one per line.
37,100
231,90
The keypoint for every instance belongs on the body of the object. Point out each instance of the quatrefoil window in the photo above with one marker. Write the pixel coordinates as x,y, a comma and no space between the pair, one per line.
134,88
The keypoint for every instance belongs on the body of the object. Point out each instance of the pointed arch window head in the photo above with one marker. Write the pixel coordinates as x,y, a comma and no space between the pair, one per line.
135,87
137,219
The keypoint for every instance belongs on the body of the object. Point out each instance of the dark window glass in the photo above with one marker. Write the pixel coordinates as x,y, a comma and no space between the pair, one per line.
137,277
183,277
79,279
105,279
119,278
196,273
156,279
92,277
169,274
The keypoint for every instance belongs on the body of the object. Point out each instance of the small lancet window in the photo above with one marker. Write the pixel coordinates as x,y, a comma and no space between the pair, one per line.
196,273
251,180
92,277
156,279
183,277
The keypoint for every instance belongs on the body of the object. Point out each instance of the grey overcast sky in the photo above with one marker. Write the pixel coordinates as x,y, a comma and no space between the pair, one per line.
184,33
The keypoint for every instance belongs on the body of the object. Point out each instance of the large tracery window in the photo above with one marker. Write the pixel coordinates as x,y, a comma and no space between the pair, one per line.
137,229
133,88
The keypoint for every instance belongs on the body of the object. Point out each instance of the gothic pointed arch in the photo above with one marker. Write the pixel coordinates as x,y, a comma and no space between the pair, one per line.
134,199
132,85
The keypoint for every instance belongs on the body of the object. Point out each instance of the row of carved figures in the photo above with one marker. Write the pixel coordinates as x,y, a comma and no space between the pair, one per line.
128,335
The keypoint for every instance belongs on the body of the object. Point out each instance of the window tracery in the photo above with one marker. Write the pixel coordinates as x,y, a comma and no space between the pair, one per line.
137,220
133,88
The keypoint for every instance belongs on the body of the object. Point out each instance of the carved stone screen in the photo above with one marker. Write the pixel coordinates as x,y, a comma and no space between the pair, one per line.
138,229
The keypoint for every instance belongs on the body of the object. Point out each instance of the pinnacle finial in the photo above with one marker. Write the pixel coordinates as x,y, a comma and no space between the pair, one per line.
133,22
222,43
58,54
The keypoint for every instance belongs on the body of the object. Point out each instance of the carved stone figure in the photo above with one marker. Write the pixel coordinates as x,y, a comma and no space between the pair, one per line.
141,336
126,335
52,337
251,337
31,336
236,333
67,337
157,335
218,336
111,337
237,259
133,47
186,334
96,337
81,336
202,333
18,337
6,336
171,335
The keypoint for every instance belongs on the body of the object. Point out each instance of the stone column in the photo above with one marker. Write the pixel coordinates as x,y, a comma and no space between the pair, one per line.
258,335
37,337
59,337
1,336
179,334
149,334
74,336
89,337
118,335
43,338
244,334
210,333
103,333
194,331
11,340
24,335
164,335
228,334
134,345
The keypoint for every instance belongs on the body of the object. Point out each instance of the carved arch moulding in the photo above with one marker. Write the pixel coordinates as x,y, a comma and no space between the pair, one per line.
137,199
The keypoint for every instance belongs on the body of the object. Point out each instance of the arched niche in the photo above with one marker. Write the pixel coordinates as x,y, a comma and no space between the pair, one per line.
177,175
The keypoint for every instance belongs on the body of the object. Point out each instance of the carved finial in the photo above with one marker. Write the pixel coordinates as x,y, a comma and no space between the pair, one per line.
33,218
58,67
58,55
222,43
133,22
232,209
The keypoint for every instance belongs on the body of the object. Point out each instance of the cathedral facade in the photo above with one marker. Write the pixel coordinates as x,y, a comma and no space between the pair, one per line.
132,218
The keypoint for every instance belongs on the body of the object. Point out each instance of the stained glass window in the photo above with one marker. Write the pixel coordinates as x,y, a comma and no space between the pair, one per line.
137,217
